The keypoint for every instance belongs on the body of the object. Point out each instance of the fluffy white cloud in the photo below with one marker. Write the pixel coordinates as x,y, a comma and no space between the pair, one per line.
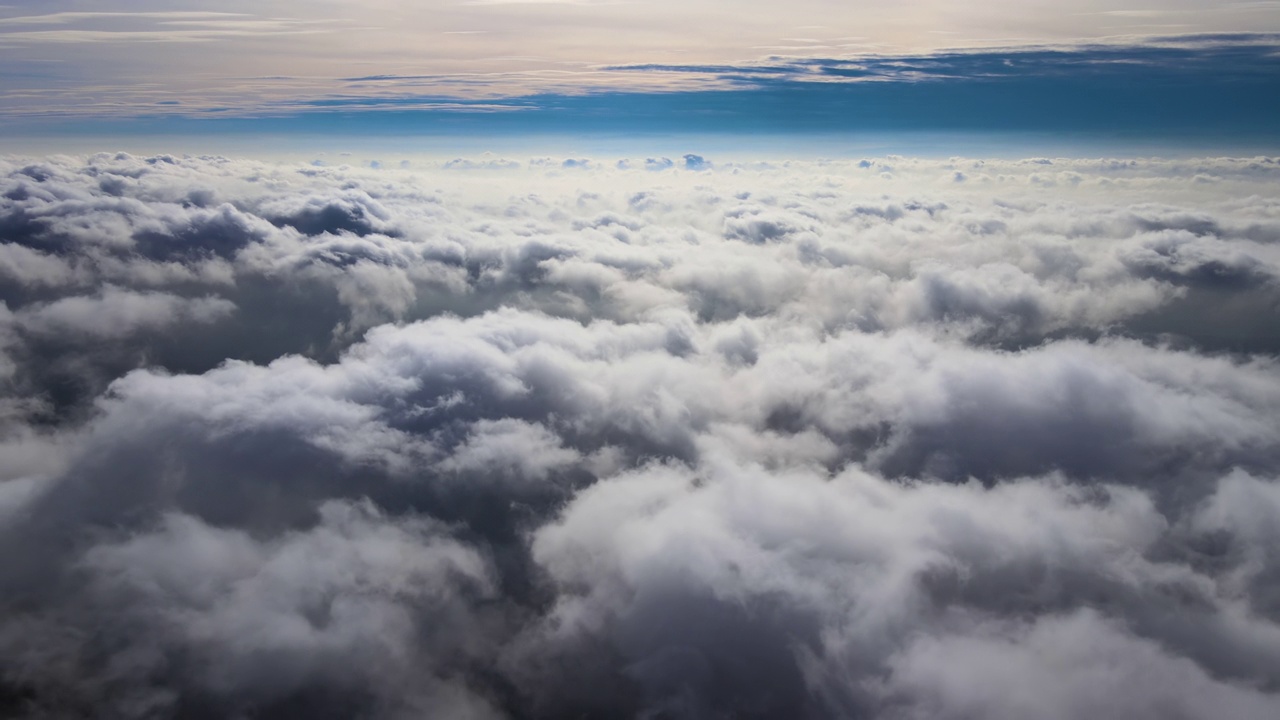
806,439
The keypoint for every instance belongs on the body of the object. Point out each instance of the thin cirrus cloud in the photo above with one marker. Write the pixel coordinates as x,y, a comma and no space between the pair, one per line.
471,52
132,27
675,436
1208,89
68,17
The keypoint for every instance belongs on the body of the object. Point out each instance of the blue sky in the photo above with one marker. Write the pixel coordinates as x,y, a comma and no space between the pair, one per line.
1192,72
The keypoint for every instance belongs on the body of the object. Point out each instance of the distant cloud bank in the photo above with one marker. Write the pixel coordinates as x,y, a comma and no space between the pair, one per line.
663,437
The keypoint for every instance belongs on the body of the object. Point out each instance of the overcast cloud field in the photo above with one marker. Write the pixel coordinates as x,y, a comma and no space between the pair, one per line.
687,437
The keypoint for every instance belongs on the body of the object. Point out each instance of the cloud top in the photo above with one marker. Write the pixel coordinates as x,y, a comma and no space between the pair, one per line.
509,438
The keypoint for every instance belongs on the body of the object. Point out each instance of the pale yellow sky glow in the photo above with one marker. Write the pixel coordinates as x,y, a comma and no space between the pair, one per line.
65,56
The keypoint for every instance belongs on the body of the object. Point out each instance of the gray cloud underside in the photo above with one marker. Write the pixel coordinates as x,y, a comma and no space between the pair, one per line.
653,438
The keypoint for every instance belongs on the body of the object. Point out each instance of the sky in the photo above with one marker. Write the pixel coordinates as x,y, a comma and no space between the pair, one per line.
1190,70
529,360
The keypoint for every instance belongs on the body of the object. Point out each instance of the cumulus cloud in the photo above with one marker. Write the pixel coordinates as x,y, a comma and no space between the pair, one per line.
116,312
500,439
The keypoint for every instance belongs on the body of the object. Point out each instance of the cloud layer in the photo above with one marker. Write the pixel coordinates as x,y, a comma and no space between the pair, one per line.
134,60
662,437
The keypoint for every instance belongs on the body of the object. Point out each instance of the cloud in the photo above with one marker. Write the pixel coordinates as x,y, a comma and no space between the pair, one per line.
1095,80
67,17
876,597
118,312
695,162
792,439
356,606
1055,667
174,26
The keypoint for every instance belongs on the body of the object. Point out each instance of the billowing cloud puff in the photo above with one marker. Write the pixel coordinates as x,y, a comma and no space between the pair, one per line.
496,439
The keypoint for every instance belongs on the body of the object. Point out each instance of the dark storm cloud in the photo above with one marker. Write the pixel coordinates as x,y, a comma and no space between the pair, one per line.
825,439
